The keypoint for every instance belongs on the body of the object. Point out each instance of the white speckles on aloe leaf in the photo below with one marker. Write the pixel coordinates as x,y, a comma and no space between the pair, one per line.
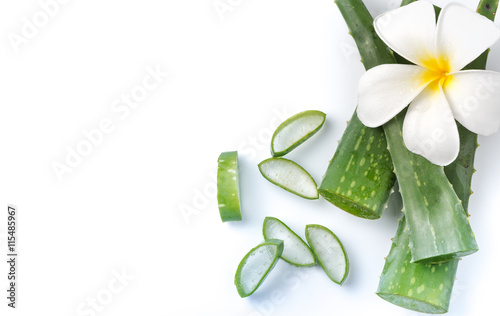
354,160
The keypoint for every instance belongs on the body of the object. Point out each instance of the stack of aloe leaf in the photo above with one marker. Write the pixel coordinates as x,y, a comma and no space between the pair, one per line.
434,233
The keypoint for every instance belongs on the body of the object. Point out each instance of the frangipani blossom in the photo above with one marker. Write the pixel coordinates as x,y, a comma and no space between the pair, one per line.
437,90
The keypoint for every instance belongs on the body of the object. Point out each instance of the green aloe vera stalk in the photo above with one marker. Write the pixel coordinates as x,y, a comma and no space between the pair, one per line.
360,177
461,170
425,288
394,286
439,229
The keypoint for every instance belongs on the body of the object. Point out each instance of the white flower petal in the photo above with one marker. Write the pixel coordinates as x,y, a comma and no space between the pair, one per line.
385,90
410,31
474,98
429,129
462,35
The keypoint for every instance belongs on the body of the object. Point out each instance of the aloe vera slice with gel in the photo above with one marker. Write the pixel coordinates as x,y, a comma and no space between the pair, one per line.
289,176
256,265
228,192
329,252
295,251
296,130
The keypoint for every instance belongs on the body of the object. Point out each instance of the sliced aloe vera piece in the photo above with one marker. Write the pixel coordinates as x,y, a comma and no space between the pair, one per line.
289,176
296,130
329,251
228,192
256,265
295,251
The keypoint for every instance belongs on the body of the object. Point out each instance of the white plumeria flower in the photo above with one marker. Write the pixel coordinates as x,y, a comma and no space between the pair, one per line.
437,91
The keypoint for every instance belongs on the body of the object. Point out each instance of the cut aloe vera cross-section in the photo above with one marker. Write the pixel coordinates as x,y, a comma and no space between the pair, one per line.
256,265
296,130
295,251
289,176
228,192
329,251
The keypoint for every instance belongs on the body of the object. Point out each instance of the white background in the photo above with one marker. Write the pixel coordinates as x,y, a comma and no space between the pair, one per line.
233,76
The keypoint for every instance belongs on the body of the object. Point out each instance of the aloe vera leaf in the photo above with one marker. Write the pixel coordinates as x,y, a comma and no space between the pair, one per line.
256,265
393,285
295,250
228,191
296,130
439,228
461,170
488,9
406,2
425,288
360,176
459,173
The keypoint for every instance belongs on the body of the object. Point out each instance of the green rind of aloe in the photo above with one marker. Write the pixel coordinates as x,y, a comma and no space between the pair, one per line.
422,287
439,229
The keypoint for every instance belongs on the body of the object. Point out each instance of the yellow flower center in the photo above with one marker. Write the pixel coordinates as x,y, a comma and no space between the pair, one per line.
438,72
